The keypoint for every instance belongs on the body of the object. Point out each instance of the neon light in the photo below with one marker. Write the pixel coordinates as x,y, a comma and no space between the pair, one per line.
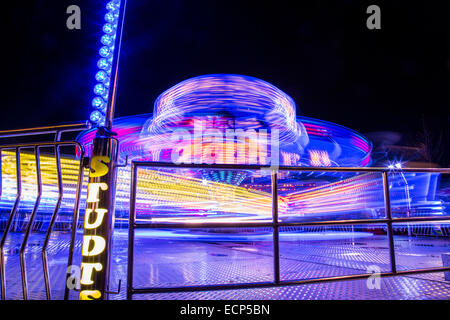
101,89
193,119
248,100
215,196
209,111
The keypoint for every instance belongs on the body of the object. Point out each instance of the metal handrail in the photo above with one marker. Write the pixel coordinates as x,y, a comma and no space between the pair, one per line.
275,224
75,218
284,168
36,147
45,130
23,246
267,284
8,225
50,226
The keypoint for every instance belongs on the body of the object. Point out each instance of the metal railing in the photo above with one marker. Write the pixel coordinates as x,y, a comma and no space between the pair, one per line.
275,224
36,148
56,130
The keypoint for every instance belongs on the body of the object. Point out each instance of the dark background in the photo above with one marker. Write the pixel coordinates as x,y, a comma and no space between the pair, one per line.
318,52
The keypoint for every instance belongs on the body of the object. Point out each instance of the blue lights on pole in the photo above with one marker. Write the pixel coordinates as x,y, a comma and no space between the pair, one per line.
101,88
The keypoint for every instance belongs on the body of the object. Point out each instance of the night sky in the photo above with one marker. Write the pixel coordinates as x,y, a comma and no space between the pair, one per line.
318,52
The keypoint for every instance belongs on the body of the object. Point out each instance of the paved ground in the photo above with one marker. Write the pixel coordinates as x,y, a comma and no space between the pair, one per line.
165,263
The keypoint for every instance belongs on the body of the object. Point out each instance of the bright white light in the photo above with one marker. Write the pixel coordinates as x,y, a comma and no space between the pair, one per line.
398,165
204,182
390,166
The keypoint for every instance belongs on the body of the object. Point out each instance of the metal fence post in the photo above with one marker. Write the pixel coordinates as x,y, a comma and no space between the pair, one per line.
276,238
51,224
23,246
131,221
8,224
387,204
75,218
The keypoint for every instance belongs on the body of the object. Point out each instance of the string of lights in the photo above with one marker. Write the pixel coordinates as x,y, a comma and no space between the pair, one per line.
104,64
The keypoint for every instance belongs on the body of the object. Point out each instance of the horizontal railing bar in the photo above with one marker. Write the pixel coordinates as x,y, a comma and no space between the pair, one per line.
363,221
201,225
285,168
283,224
41,144
420,219
204,287
44,130
364,169
282,283
201,166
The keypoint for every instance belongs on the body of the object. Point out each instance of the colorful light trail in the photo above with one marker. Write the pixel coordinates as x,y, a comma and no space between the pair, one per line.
229,119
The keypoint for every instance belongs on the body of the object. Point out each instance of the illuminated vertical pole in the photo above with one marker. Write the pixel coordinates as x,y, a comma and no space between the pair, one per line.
98,220
99,215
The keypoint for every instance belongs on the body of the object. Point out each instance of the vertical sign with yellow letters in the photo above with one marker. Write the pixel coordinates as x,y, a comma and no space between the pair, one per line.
98,221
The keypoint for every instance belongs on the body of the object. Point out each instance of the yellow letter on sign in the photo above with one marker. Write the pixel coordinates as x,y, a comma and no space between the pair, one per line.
90,294
98,220
98,166
94,190
99,245
87,270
